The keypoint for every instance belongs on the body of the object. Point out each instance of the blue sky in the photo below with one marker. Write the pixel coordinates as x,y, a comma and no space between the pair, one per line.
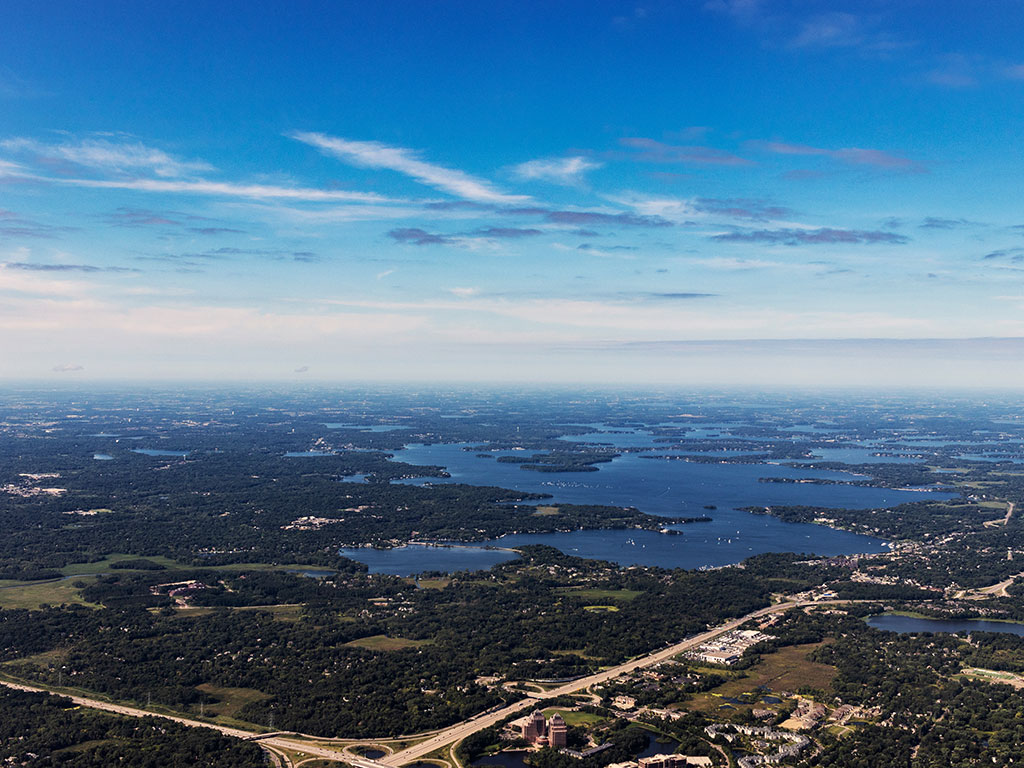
715,191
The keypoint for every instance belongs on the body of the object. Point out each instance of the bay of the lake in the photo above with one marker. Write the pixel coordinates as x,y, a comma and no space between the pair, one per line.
894,623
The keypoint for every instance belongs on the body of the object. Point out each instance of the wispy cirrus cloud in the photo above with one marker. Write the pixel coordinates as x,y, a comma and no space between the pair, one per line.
841,29
11,172
222,254
419,236
594,218
215,231
376,155
956,71
567,171
938,222
687,210
13,225
227,189
669,295
877,158
823,236
506,233
1011,254
829,30
653,151
145,217
34,267
103,155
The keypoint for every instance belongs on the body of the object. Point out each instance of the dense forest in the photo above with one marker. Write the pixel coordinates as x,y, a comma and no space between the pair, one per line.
43,730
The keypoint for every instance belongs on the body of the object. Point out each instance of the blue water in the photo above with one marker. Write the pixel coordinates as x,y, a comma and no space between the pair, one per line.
158,452
891,623
504,759
659,487
855,455
991,457
655,747
102,457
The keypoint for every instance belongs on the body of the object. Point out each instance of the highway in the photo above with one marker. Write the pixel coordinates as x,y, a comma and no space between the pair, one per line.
467,727
280,742
460,730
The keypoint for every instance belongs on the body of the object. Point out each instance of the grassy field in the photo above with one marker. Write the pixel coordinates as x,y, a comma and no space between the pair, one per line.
601,608
546,511
385,643
431,583
101,566
624,595
45,659
788,669
35,595
285,612
575,718
230,700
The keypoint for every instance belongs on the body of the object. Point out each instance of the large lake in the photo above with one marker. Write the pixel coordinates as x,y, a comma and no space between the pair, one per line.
659,486
894,623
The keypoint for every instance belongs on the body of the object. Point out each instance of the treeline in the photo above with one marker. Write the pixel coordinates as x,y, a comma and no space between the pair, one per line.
43,730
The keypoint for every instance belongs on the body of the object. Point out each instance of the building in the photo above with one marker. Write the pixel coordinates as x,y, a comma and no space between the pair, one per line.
542,732
672,761
557,730
624,702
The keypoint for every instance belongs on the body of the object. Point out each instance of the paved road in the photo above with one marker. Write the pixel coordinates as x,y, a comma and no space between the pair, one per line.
464,729
273,741
456,732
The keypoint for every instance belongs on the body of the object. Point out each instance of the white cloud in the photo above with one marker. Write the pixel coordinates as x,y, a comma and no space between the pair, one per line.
464,292
567,171
107,156
203,187
373,154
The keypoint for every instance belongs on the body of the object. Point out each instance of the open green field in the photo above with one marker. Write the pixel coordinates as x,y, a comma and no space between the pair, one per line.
788,669
101,566
45,659
431,583
601,608
546,511
35,595
575,718
385,643
284,612
230,700
624,595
